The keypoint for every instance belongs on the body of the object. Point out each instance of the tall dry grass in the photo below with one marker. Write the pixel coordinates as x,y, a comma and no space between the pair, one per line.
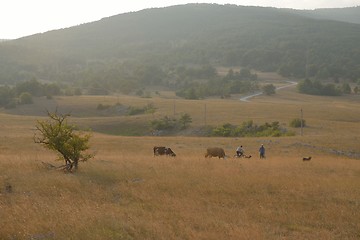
126,193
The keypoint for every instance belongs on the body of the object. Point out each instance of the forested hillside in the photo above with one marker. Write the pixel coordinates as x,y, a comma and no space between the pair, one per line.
181,45
350,14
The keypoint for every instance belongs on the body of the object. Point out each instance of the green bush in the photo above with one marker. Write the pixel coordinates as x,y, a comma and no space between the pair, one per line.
149,108
249,129
101,107
25,98
269,89
297,122
168,123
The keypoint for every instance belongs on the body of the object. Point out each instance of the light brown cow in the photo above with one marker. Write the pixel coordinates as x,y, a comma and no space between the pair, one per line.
215,152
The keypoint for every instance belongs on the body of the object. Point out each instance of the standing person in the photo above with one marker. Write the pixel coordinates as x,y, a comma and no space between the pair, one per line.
239,151
262,151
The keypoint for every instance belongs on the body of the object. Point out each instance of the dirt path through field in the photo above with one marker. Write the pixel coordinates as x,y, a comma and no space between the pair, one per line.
246,98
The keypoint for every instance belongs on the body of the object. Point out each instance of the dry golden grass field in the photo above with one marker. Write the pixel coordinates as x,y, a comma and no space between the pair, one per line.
127,193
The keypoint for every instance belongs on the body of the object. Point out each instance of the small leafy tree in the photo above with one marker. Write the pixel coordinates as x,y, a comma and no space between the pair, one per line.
166,123
57,135
346,88
25,98
185,120
356,90
269,89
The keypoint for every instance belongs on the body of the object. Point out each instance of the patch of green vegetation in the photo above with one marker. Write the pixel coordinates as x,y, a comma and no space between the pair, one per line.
149,108
297,122
315,87
168,123
249,129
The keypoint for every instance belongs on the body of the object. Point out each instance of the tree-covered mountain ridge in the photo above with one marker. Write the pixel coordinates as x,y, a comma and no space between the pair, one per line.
264,39
348,14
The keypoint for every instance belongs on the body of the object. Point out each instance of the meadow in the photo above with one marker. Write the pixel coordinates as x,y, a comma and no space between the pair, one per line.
127,193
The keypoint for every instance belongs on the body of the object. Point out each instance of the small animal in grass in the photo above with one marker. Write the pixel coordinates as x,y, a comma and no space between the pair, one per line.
306,158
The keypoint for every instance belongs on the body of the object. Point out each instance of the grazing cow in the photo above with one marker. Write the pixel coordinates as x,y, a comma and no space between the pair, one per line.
163,151
306,158
215,152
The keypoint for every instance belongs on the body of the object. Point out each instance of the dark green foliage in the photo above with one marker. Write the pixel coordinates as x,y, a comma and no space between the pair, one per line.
232,83
249,129
77,92
37,89
34,87
165,123
25,98
149,74
346,88
149,108
193,92
349,14
269,89
102,107
185,120
25,91
97,88
317,88
7,97
52,89
297,122
170,124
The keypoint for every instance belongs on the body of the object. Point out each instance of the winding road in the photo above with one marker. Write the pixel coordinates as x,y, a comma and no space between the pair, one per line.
246,98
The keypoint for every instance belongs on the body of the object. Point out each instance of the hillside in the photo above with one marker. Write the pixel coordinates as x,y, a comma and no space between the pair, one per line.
350,14
265,39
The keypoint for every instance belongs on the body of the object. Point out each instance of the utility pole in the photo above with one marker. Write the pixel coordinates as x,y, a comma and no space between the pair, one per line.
301,122
205,115
174,108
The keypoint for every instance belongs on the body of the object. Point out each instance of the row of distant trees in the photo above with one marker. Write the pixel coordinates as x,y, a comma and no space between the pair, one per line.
188,82
315,87
23,92
194,82
234,82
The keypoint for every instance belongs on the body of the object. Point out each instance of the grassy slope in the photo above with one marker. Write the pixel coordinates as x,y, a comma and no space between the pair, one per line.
126,193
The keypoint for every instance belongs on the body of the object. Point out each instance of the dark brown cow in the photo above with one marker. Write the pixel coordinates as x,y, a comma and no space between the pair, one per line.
215,152
163,151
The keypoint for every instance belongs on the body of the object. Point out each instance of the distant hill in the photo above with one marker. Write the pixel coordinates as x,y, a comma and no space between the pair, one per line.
351,14
265,39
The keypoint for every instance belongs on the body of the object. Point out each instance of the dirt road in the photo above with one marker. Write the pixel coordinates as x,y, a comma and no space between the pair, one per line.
246,98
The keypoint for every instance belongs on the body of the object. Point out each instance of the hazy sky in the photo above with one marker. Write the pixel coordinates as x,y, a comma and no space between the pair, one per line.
20,18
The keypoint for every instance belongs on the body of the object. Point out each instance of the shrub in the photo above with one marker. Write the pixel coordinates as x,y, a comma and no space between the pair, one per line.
317,88
25,98
297,122
185,120
166,123
101,107
269,89
249,129
57,135
149,108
